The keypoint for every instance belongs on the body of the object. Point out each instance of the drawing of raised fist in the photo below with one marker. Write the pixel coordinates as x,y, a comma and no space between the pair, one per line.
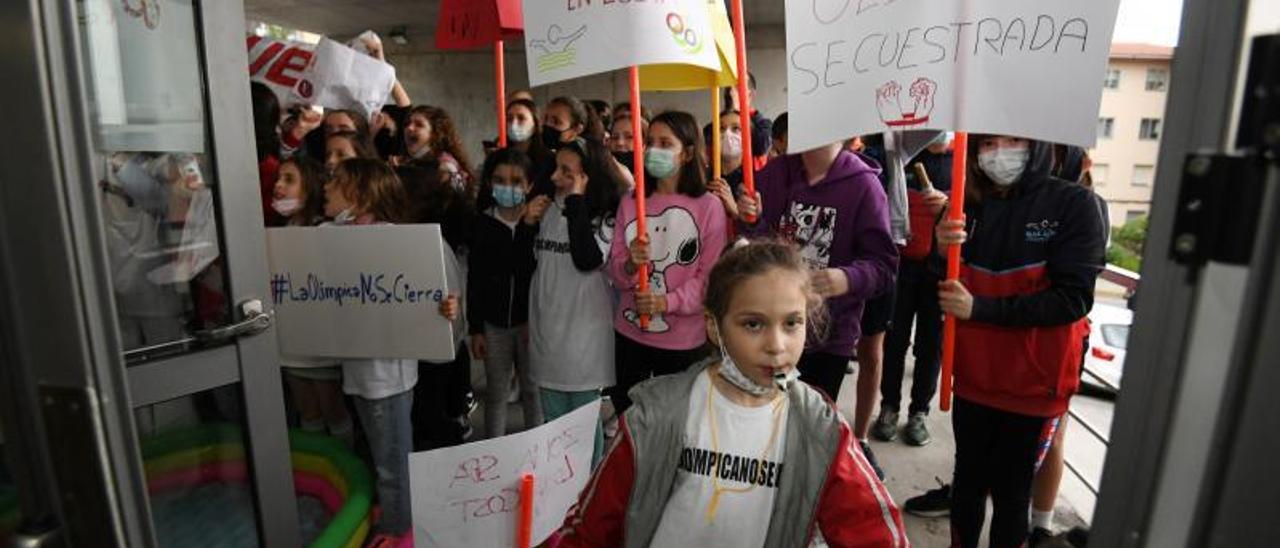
922,91
887,101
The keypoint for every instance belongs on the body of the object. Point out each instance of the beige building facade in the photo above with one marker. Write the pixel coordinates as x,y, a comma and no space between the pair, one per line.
1130,123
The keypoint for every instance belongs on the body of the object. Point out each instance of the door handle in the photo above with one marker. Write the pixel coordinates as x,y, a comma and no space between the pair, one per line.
254,319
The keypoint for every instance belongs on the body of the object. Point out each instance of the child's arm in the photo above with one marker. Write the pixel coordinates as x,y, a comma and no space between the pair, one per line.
686,297
599,517
874,263
583,248
620,250
855,509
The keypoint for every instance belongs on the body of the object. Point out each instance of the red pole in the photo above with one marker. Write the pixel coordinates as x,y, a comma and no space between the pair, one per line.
744,102
524,533
500,68
959,159
637,140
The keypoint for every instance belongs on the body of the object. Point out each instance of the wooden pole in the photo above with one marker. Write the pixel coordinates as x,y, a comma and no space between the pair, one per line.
959,158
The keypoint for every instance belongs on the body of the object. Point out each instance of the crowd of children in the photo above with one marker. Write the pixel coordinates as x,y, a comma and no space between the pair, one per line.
712,441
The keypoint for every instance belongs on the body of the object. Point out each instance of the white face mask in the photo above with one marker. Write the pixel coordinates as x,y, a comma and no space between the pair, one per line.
345,217
1004,165
731,145
518,133
286,206
730,372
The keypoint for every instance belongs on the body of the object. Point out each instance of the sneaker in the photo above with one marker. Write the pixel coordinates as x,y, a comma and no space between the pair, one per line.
933,504
472,403
871,459
916,432
1038,535
513,389
886,426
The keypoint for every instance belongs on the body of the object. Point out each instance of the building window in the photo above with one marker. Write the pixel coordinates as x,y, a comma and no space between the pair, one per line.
1150,130
1099,173
1133,214
1142,175
1105,127
1157,79
1112,81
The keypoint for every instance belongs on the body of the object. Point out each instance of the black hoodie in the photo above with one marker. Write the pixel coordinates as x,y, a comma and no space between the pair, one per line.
497,280
1031,262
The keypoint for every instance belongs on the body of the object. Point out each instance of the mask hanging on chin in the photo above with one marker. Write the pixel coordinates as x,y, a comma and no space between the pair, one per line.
286,206
730,372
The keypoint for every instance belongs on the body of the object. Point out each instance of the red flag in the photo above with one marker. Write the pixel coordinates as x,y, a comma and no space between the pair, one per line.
467,24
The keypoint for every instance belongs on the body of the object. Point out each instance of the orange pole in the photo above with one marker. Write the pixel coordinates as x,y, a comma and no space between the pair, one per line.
955,213
524,533
744,102
500,68
637,140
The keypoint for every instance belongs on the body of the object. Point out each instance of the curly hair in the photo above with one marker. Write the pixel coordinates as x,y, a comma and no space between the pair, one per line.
444,136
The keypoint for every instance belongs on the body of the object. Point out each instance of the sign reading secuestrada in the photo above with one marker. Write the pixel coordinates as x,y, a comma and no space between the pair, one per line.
360,291
469,495
1029,68
567,39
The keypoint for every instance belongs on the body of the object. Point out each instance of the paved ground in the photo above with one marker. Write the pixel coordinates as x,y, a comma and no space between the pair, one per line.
911,470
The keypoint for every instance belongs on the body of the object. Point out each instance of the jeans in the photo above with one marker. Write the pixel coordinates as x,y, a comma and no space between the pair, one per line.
997,453
636,362
389,430
917,298
556,403
823,371
508,347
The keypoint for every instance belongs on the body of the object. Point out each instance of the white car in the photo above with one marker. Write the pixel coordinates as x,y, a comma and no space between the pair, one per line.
1104,365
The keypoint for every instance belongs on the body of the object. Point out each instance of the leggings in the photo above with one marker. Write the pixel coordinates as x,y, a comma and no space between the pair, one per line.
997,453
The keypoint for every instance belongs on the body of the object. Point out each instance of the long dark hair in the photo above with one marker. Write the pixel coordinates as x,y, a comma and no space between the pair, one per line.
313,179
537,149
431,199
603,180
693,179
266,120
444,135
509,156
580,114
374,188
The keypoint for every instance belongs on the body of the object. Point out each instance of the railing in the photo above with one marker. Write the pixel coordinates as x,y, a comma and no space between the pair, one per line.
1092,430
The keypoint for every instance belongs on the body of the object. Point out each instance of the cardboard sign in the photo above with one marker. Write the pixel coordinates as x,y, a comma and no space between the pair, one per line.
687,77
360,291
278,64
342,78
469,495
573,38
1027,68
467,24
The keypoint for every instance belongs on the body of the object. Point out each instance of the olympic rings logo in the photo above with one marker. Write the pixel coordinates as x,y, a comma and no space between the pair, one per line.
685,36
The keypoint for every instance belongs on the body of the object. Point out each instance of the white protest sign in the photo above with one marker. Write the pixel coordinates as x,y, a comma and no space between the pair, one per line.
278,64
342,78
360,291
1028,68
571,38
469,495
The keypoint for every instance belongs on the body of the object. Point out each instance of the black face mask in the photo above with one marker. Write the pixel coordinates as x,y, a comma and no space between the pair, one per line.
551,137
627,159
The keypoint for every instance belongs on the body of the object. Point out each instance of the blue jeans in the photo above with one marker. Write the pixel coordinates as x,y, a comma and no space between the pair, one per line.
389,430
556,403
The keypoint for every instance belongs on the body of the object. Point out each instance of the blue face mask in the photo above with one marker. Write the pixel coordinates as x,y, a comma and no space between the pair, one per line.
660,162
508,196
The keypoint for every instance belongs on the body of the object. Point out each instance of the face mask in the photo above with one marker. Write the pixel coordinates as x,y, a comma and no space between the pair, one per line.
730,372
551,137
518,133
422,151
508,196
345,217
731,145
626,159
1004,165
286,206
660,162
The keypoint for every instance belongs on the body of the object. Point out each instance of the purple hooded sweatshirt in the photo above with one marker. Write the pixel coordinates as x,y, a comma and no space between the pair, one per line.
840,222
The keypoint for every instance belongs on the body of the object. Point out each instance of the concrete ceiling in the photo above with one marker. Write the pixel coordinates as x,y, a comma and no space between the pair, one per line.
348,17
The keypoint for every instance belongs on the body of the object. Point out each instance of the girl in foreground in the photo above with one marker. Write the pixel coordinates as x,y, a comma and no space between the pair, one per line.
734,452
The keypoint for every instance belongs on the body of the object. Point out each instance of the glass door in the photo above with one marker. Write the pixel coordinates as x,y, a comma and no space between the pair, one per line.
150,200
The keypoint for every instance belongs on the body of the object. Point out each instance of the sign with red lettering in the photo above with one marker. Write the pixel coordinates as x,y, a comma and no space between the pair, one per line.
466,24
469,495
278,64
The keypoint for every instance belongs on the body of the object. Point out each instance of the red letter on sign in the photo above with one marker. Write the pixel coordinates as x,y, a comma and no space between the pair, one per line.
268,54
294,60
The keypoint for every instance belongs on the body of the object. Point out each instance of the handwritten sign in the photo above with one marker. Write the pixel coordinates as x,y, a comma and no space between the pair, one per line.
466,24
469,495
278,64
567,39
360,291
343,78
1028,68
676,77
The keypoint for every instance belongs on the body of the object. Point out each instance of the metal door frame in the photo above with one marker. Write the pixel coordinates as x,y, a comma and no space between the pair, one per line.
56,303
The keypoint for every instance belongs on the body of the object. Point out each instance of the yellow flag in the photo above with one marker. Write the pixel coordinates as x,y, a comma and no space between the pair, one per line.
688,77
